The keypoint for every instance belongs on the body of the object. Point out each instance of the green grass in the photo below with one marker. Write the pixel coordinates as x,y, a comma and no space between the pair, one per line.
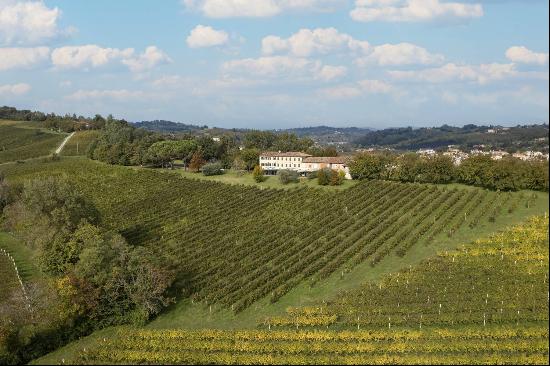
271,181
24,257
20,141
79,143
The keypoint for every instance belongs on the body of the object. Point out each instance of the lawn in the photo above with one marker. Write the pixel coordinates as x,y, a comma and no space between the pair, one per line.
244,178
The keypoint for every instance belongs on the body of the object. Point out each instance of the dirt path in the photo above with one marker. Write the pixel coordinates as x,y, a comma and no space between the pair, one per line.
60,148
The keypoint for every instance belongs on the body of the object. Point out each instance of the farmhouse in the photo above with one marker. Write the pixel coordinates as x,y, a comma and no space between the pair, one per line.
300,162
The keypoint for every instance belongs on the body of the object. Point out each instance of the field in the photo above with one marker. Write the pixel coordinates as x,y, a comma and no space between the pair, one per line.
20,141
236,245
484,303
79,143
243,178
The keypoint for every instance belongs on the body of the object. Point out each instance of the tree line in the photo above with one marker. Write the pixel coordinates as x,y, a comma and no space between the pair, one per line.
507,174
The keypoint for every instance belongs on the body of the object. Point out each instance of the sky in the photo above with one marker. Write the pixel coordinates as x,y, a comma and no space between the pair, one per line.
280,63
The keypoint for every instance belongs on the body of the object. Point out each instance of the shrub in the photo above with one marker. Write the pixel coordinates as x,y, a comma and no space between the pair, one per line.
323,176
212,169
258,174
288,176
337,177
312,175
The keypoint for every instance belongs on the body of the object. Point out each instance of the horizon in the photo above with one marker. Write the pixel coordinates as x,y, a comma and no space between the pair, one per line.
275,64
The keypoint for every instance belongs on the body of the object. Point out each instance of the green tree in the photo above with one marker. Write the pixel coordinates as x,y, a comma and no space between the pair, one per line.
369,166
250,157
288,176
258,174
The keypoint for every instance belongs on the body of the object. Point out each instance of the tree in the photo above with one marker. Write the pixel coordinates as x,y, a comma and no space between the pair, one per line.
323,176
258,174
250,157
337,177
196,162
212,169
369,166
288,176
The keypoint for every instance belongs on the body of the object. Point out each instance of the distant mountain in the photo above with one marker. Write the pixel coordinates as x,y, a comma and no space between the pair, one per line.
167,126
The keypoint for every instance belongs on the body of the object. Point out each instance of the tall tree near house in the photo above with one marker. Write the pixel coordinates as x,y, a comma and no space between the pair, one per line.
197,161
250,158
258,174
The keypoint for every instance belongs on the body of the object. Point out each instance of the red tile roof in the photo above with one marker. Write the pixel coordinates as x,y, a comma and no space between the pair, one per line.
285,154
326,159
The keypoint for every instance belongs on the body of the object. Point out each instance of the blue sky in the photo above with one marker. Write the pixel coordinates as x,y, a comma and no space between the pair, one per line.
279,63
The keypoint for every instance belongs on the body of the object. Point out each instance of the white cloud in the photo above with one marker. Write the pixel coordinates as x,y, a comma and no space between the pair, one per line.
27,22
88,56
450,72
152,57
204,36
14,89
273,66
92,56
11,58
400,54
284,68
361,87
413,10
306,42
119,95
521,54
328,72
256,8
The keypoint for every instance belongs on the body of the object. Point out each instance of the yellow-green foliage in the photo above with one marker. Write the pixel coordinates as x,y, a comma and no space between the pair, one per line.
464,345
499,280
79,143
19,143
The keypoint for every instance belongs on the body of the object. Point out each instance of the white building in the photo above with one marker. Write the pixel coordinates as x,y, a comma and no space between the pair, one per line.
271,162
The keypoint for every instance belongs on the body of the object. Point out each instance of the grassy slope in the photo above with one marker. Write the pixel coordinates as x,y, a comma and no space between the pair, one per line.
21,140
233,177
23,256
79,143
187,315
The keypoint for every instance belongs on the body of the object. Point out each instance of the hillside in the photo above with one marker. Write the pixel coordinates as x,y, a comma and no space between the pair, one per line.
528,137
20,141
78,144
235,245
454,308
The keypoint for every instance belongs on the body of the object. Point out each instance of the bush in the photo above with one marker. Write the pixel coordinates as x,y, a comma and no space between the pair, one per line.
212,169
337,178
323,176
312,175
258,174
288,176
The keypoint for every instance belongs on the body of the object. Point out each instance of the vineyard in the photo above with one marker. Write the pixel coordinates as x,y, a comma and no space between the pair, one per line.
461,345
10,281
19,143
236,245
484,303
500,280
79,143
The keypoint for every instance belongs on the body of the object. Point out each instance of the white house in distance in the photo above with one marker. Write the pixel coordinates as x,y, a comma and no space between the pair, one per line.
271,162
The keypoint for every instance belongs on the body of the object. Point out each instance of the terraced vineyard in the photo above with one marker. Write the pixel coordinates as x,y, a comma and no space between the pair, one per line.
504,278
78,144
19,143
236,245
